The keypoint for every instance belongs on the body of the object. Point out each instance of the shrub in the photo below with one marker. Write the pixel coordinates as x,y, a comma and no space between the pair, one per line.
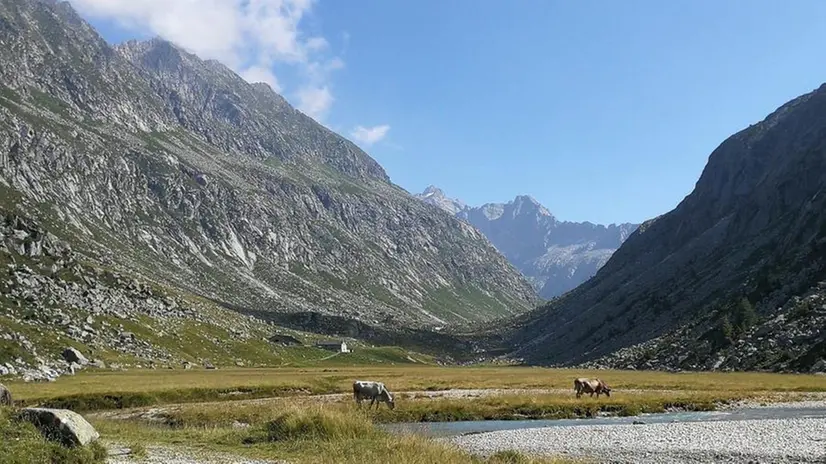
319,423
137,450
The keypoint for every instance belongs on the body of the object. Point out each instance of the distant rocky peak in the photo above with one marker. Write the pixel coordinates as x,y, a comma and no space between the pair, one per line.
432,190
523,204
435,196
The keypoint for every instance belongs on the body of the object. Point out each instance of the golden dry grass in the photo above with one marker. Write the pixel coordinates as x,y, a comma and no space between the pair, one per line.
500,407
217,384
312,434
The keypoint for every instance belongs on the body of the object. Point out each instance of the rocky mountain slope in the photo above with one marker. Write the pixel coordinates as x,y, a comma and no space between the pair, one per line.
733,277
554,255
159,165
60,313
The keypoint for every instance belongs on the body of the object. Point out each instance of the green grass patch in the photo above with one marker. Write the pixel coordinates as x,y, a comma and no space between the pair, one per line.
122,400
21,443
316,423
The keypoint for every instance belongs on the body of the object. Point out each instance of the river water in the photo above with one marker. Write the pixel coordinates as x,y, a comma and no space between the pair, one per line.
447,429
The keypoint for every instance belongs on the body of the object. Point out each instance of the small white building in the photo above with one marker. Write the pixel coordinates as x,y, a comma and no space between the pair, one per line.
333,345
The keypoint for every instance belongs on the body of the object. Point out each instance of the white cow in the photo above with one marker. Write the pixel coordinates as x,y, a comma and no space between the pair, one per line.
374,391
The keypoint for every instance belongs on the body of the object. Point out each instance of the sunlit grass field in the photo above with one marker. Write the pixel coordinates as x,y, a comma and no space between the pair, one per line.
174,386
277,413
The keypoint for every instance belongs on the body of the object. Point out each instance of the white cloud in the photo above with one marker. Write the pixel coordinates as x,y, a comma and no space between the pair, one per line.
249,36
317,43
315,101
369,135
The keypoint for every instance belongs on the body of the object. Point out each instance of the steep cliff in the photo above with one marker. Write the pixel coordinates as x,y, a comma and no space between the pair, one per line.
706,284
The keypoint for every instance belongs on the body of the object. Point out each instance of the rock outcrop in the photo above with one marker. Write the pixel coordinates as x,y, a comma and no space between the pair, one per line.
555,256
72,355
175,170
731,278
5,396
61,425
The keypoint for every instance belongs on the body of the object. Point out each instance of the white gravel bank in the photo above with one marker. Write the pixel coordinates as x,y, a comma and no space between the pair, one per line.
119,454
777,441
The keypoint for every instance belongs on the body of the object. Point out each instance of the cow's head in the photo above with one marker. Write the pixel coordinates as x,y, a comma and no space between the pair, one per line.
606,389
388,398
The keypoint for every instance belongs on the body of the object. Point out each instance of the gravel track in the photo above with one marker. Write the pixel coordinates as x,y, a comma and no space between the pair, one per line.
774,440
119,454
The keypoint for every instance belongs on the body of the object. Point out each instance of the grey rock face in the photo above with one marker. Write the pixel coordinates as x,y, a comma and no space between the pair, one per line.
555,256
5,396
146,157
61,425
72,355
714,282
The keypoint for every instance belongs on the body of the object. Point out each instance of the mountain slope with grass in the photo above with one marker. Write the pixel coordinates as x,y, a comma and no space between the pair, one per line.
161,166
732,278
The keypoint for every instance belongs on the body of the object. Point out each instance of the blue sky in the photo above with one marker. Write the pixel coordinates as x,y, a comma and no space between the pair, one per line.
603,111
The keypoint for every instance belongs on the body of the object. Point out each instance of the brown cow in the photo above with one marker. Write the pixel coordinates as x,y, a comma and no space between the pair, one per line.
583,385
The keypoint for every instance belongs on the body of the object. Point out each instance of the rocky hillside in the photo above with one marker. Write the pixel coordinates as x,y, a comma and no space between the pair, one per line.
60,313
554,255
162,166
731,278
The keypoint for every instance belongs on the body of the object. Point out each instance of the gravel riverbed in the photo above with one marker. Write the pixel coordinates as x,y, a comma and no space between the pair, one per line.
119,454
773,440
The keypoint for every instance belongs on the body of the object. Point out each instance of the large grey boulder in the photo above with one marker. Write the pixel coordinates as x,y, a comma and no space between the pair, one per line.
61,425
5,396
72,355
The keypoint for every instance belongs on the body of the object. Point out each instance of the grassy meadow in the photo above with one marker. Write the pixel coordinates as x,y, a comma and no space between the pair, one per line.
146,387
278,413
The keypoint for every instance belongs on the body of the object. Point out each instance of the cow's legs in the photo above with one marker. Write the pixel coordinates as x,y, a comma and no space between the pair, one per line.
372,402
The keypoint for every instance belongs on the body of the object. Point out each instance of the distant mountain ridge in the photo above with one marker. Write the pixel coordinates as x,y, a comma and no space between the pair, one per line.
555,256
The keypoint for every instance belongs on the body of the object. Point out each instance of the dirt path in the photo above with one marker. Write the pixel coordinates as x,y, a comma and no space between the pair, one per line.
156,454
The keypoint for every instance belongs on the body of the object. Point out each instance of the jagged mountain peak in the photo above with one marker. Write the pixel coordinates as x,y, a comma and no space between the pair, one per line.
433,190
555,256
436,196
526,204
